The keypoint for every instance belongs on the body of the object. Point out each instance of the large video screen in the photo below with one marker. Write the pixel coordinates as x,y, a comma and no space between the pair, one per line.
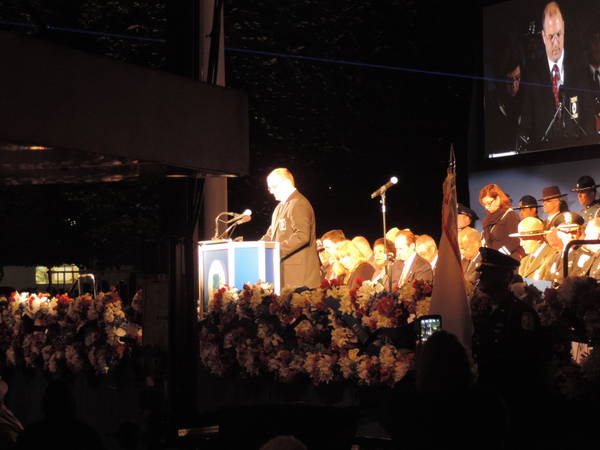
542,70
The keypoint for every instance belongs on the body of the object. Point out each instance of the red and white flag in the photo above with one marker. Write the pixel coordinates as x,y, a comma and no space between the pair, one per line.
449,296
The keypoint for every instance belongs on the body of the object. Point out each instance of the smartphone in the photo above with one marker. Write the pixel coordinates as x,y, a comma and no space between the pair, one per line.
428,325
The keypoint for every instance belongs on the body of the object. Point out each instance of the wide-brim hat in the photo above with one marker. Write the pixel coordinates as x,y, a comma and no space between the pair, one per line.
530,227
550,192
569,221
528,201
466,211
585,183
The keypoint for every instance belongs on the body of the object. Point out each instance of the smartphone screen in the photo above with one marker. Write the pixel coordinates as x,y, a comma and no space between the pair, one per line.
428,326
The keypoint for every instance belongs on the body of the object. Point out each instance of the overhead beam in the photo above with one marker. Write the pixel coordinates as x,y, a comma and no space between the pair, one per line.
64,98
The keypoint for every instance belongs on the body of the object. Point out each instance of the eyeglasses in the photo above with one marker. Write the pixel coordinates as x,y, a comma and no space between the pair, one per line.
489,203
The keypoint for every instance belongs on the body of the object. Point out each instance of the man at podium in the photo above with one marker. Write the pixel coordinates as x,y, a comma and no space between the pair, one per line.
293,226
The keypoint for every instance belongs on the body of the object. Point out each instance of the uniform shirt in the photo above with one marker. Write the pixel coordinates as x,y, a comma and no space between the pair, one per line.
590,211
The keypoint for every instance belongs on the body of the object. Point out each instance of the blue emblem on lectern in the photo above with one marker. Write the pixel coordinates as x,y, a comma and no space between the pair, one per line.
216,277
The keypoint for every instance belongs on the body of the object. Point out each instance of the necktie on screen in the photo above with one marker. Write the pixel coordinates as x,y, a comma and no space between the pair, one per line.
555,80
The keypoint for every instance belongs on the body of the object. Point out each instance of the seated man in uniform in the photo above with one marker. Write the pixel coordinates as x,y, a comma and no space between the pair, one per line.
528,207
586,195
587,263
536,265
568,228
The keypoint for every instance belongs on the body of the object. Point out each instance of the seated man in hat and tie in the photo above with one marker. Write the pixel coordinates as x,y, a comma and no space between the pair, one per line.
586,195
551,197
568,228
528,207
537,263
587,263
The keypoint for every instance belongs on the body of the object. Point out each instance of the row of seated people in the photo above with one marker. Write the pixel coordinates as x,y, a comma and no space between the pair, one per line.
410,257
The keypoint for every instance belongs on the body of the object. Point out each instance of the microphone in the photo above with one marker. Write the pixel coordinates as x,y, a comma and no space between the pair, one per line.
385,187
244,217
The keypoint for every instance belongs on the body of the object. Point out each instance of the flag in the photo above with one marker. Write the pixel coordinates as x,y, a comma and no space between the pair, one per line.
449,296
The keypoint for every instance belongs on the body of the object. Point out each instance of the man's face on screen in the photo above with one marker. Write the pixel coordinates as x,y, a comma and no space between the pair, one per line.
514,81
553,35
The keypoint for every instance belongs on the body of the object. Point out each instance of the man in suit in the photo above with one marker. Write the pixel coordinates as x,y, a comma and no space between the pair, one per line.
293,226
413,266
469,242
553,109
537,263
551,198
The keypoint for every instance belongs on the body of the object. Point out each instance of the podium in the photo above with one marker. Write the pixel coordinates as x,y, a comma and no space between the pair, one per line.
235,264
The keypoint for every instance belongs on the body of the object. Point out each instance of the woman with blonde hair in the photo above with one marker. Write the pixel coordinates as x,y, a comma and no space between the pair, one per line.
500,221
354,262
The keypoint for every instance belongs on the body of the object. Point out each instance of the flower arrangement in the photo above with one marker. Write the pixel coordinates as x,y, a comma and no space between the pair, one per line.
327,334
65,333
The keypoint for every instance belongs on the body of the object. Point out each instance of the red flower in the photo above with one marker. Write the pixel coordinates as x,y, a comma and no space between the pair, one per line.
13,296
324,284
335,282
63,300
385,305
359,282
112,297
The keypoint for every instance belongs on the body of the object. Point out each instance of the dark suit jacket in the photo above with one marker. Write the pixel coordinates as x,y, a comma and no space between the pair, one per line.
539,104
293,226
363,271
496,229
419,270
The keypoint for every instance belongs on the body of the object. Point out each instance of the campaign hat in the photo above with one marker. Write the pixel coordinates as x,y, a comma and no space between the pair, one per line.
585,183
530,227
528,201
550,192
466,211
568,221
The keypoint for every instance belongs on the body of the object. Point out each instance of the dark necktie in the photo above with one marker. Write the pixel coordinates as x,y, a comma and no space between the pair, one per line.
555,80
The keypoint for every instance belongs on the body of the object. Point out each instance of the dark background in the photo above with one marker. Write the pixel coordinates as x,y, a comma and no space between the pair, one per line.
342,129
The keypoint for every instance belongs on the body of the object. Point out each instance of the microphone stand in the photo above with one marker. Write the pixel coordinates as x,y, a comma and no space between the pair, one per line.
225,234
388,262
551,124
